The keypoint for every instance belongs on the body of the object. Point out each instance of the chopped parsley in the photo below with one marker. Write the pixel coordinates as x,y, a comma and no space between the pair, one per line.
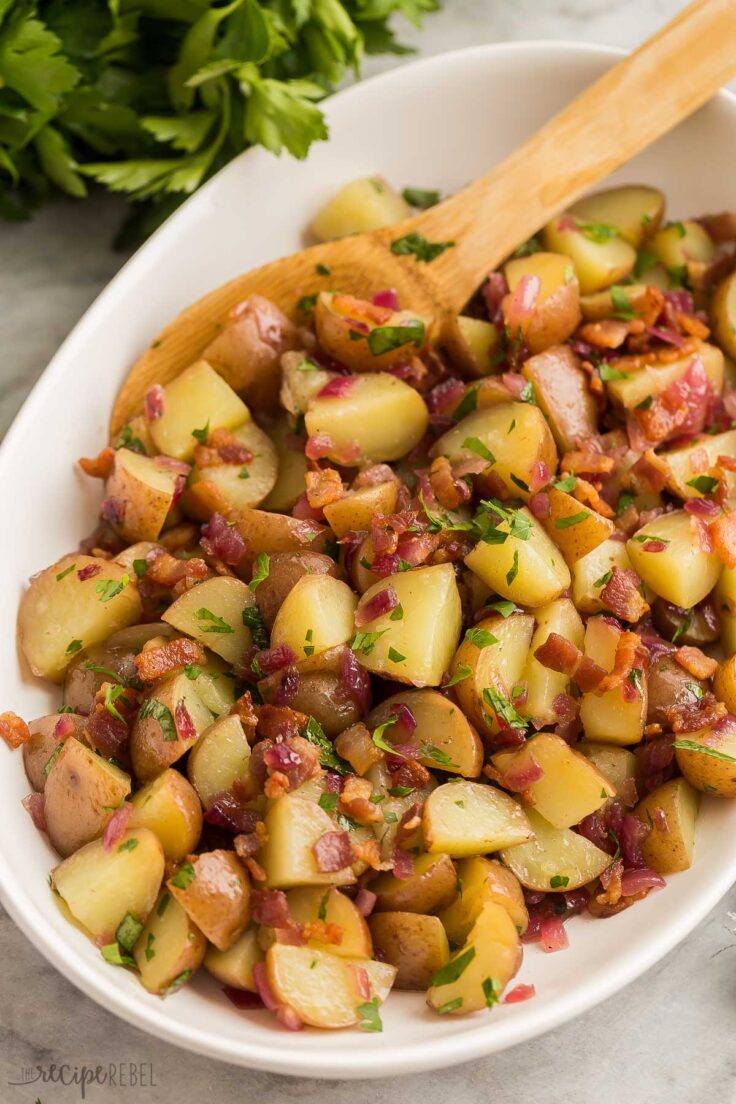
377,735
491,991
528,394
621,303
263,567
110,588
184,876
482,638
421,198
111,696
192,672
437,755
243,474
504,607
323,270
307,303
703,749
558,881
395,657
467,404
202,434
625,499
365,642
50,761
416,245
328,757
67,571
322,910
462,672
474,444
513,571
148,949
704,484
635,678
573,519
608,374
73,646
604,580
128,439
644,261
140,567
450,1006
504,709
397,613
215,623
128,932
453,969
598,232
308,648
328,802
178,982
129,845
161,713
566,485
111,953
382,339
370,1017
252,620
163,904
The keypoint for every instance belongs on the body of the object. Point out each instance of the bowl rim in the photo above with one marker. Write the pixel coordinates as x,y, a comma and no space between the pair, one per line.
395,1058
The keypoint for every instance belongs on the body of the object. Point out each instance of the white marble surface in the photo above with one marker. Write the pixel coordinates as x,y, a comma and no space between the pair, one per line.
667,1039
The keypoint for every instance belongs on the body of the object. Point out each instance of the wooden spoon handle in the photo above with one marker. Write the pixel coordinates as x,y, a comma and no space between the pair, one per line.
633,104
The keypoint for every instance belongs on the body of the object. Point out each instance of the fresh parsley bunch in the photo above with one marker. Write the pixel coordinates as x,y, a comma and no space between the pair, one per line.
150,97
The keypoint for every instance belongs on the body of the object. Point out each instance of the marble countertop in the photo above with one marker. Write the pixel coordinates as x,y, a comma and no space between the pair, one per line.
666,1039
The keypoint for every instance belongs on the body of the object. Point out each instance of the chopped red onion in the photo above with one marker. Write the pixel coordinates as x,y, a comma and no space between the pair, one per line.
659,820
112,511
552,934
222,540
288,688
519,776
382,602
305,531
702,507
116,826
281,757
443,398
668,336
168,463
106,734
288,1018
35,805
274,659
362,982
153,402
261,982
318,446
337,388
270,908
333,782
407,721
631,834
243,999
514,382
520,304
386,564
225,811
64,728
356,680
365,901
638,881
540,476
304,511
681,301
415,550
495,290
388,297
184,723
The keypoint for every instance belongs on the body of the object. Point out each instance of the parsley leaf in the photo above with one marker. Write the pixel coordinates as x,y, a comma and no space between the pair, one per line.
474,444
705,484
161,713
370,1017
382,339
703,749
416,245
418,197
328,757
462,672
504,709
184,876
454,969
573,519
482,638
110,588
263,566
215,623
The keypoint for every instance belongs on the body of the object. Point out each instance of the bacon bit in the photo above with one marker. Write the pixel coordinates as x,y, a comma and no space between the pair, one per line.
245,711
369,852
222,448
559,654
322,932
592,463
270,908
154,663
153,402
552,935
184,723
14,730
695,662
247,844
35,805
323,487
723,531
106,734
279,722
88,572
373,475
100,467
116,826
540,505
611,883
449,491
403,864
355,801
588,494
222,540
519,993
680,409
520,775
622,596
333,852
609,334
170,572
629,651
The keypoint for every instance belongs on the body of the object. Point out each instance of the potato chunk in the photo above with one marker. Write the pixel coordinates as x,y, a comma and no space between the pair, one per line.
235,965
82,791
367,338
679,243
544,685
242,485
418,647
358,508
616,763
574,528
44,741
570,788
556,859
476,975
451,742
635,210
652,379
467,818
681,572
291,468
169,806
212,613
316,615
472,344
707,758
588,574
367,203
600,255
379,418
294,825
169,949
143,490
671,840
197,399
99,887
723,315
555,313
416,945
562,393
517,436
481,881
310,904
527,568
684,465
610,717
214,890
495,652
219,757
323,989
60,613
169,722
432,885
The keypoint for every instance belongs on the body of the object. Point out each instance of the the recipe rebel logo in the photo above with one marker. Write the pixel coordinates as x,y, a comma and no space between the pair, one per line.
119,1075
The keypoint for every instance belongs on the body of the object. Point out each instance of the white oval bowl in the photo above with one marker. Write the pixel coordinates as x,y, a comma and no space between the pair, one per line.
436,123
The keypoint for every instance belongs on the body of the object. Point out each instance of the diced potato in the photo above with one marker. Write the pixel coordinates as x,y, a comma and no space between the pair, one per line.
416,945
671,840
294,825
683,472
530,570
317,614
367,203
570,788
616,763
544,685
725,599
169,722
136,435
490,958
600,305
556,859
60,613
431,886
600,256
395,806
381,417
323,989
589,571
681,573
562,394
43,743
241,485
267,532
653,379
169,806
575,529
197,399
634,209
144,490
610,717
215,685
358,508
678,243
367,338
472,344
310,904
441,726
234,966
418,647
723,315
467,818
81,793
709,760
556,311
301,381
214,890
291,468
496,666
169,949
219,757
668,684
481,881
99,887
212,613
516,434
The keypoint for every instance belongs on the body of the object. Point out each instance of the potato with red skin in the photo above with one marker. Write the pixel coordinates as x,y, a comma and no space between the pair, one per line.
336,317
82,792
285,569
669,684
214,890
43,743
555,314
562,394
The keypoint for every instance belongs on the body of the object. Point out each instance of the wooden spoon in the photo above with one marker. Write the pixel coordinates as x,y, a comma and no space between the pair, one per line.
633,104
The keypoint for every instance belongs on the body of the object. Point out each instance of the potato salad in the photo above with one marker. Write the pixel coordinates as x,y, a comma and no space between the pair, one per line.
402,640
